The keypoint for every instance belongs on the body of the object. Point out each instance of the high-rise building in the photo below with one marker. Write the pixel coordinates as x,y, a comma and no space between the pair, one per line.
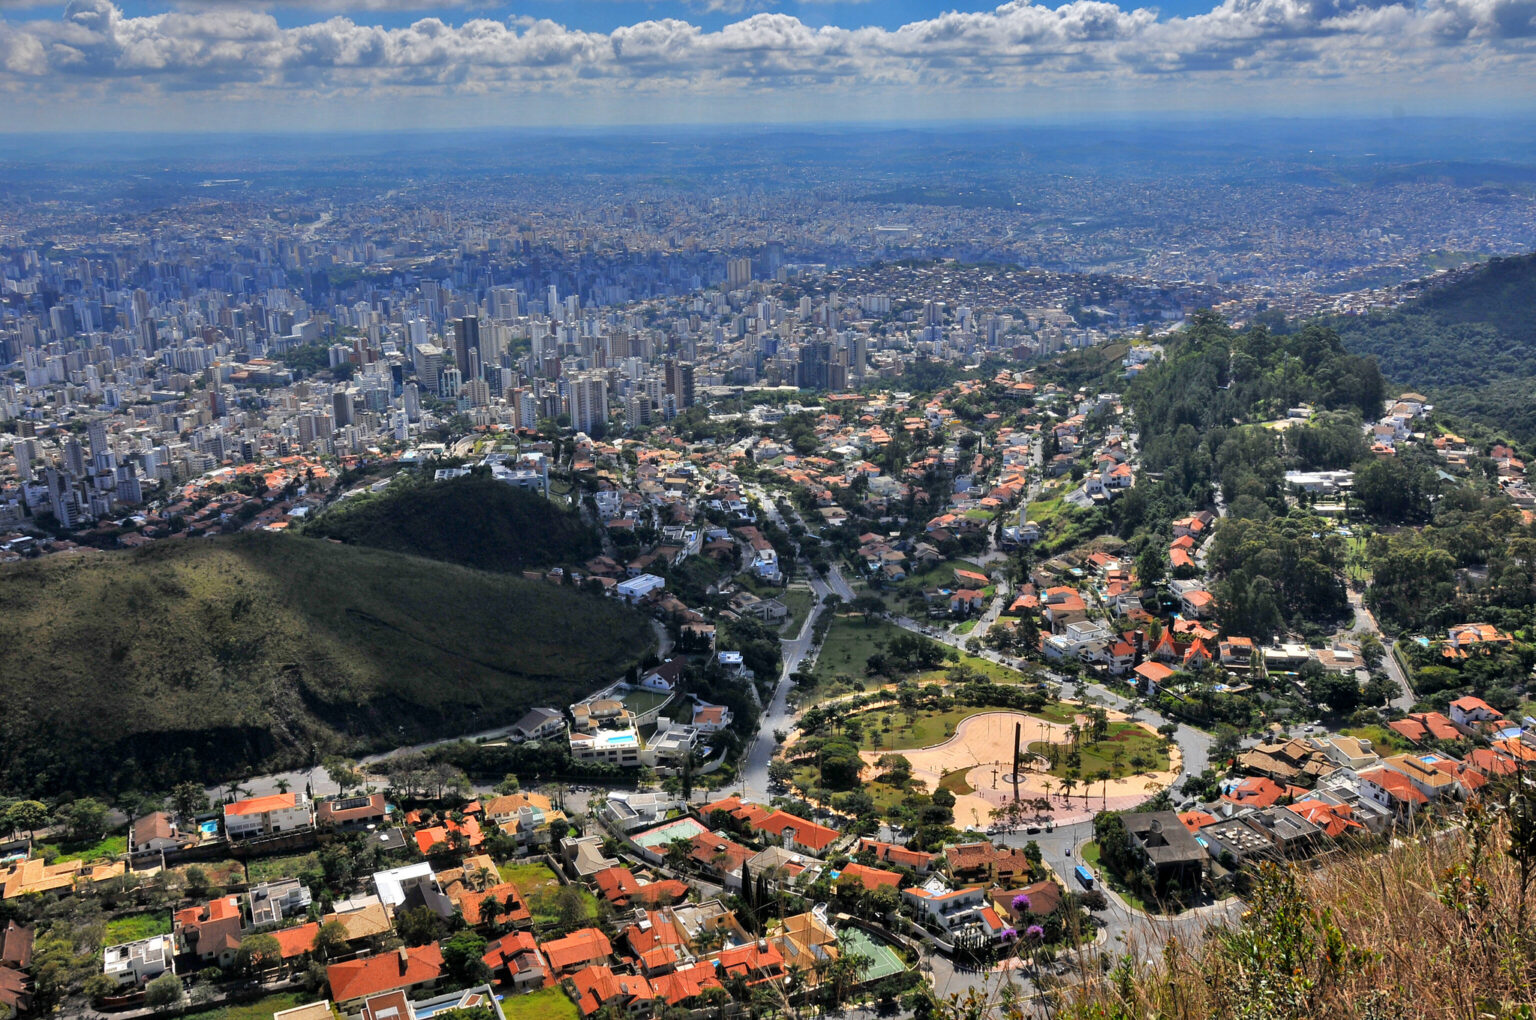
466,338
588,398
738,273
678,382
341,407
815,356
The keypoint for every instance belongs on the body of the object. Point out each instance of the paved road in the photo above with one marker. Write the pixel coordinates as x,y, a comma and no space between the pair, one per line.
777,714
1365,623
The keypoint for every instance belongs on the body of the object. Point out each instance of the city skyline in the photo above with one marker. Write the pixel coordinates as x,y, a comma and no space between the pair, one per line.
333,64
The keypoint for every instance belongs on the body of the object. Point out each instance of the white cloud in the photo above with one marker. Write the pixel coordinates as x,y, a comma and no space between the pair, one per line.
235,52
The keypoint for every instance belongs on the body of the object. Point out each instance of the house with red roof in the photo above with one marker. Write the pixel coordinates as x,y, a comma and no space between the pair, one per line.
870,878
900,856
516,960
1421,726
1260,792
1469,711
685,986
620,887
407,969
1334,819
211,932
597,987
262,816
1152,675
1392,790
754,962
584,947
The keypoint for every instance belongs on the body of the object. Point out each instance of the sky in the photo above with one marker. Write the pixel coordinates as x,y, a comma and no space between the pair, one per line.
331,65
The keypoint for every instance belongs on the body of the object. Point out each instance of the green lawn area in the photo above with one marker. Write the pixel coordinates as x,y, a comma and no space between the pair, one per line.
849,643
266,869
954,782
966,627
528,877
136,926
799,602
927,728
940,575
1382,739
111,846
545,1004
258,1009
538,885
641,701
1126,737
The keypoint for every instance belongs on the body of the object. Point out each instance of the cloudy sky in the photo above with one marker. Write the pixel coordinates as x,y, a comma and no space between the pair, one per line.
95,65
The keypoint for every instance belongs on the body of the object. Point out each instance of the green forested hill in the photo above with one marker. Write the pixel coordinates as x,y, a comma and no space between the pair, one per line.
473,521
1469,345
214,658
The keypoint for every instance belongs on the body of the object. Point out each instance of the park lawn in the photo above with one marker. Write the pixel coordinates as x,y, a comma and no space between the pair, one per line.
954,782
994,671
137,926
927,728
545,1004
257,1009
267,869
966,627
799,602
1097,757
849,643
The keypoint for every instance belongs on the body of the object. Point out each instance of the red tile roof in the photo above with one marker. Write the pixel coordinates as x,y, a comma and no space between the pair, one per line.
358,979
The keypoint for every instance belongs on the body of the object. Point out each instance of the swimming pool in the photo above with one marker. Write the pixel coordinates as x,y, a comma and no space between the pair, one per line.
208,828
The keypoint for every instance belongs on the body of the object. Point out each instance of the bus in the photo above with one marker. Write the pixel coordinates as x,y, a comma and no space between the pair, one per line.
1085,877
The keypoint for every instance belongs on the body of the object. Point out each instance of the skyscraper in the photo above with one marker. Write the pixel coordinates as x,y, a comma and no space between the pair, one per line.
589,404
679,382
466,338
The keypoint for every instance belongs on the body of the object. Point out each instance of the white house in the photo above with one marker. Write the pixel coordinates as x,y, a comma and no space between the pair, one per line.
263,816
1471,710
134,963
637,588
954,910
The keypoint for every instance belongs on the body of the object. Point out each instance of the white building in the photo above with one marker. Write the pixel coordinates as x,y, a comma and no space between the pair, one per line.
134,963
263,816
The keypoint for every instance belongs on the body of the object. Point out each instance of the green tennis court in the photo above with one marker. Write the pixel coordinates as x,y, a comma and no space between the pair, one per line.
883,960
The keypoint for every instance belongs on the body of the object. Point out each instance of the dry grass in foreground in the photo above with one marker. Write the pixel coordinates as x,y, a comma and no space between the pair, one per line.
1438,926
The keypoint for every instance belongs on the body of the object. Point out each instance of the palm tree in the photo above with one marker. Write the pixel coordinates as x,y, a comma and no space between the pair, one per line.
1068,784
282,785
1103,777
1047,784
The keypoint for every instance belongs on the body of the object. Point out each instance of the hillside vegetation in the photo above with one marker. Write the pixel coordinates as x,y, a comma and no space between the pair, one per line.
1469,345
1434,927
215,658
474,521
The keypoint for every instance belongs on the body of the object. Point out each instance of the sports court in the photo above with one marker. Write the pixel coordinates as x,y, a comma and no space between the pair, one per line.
680,828
883,960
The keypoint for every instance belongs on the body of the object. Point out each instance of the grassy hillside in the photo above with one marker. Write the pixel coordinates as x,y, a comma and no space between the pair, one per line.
1470,345
473,521
209,658
1435,927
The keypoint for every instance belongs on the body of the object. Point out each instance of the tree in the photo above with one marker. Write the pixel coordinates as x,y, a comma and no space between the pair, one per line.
163,991
331,941
344,773
26,816
418,926
869,604
462,959
258,953
188,799
84,820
